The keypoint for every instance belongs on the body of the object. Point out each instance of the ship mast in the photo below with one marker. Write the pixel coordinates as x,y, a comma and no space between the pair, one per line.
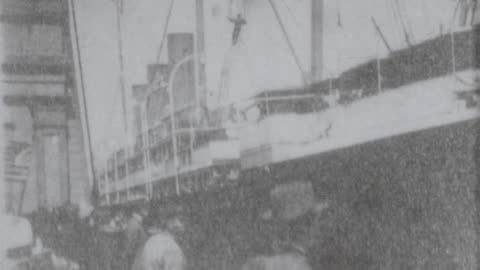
199,52
317,40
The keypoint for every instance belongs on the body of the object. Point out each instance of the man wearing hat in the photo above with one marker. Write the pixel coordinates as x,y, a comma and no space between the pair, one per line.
162,251
294,212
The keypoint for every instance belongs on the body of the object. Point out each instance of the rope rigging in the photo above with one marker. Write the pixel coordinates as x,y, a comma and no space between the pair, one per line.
406,31
398,27
292,14
165,29
289,42
225,72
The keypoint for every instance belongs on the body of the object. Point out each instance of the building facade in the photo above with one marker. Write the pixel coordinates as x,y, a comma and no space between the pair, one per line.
45,161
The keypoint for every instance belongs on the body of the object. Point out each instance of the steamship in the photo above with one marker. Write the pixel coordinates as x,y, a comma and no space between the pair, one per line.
391,141
424,87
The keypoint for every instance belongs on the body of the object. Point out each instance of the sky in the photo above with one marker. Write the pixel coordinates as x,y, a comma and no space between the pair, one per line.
261,60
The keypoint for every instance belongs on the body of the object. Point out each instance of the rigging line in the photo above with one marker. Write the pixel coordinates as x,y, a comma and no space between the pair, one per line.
408,23
402,22
165,29
396,20
394,5
382,36
405,16
84,98
289,42
295,19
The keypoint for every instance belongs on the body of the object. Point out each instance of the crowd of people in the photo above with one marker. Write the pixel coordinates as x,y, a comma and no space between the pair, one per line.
160,237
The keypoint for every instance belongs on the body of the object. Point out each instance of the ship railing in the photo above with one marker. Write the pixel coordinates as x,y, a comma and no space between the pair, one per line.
163,168
425,60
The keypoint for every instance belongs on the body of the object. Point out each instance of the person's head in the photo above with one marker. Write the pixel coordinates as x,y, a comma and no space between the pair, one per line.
294,209
175,224
154,224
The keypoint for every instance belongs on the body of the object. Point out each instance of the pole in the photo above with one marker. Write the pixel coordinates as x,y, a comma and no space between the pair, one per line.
317,40
191,135
378,60
172,113
67,148
81,88
115,176
379,74
127,171
267,104
3,145
146,147
121,63
200,90
196,74
107,184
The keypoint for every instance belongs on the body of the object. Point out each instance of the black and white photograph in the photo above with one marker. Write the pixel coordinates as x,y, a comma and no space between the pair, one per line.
240,135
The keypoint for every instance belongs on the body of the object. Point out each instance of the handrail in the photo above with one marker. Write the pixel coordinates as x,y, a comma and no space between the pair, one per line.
172,109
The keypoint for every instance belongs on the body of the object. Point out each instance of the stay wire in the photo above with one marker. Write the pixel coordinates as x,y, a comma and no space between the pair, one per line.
165,29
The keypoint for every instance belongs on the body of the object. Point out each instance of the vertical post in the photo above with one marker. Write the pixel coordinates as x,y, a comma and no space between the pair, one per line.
195,114
38,141
192,134
267,104
330,86
67,148
379,35
146,148
172,118
3,146
317,40
174,142
119,13
199,53
127,172
99,193
379,74
115,176
107,184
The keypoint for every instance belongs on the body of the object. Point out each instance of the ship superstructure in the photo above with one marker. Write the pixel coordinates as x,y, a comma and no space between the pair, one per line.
391,142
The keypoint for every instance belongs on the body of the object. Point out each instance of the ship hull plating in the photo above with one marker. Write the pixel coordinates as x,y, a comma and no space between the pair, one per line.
404,202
